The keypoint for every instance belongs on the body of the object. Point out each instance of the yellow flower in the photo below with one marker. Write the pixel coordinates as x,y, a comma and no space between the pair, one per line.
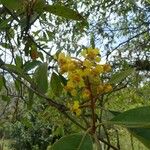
87,63
74,76
75,108
70,86
106,67
75,105
97,70
97,59
61,58
86,72
86,93
63,68
107,88
100,89
72,65
92,53
78,112
73,92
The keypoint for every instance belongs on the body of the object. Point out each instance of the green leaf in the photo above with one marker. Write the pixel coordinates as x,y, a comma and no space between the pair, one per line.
92,40
55,84
5,98
1,82
142,134
12,4
74,142
17,85
30,99
39,6
18,71
41,77
19,61
133,118
4,24
6,45
119,76
25,121
63,11
31,65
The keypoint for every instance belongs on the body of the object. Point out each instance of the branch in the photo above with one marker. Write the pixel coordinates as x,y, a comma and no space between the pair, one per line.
128,40
38,46
60,107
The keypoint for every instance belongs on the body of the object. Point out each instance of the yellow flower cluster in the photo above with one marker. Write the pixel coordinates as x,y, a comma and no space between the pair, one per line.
84,75
66,63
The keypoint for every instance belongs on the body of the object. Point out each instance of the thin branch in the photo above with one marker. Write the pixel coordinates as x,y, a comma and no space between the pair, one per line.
105,142
38,46
128,40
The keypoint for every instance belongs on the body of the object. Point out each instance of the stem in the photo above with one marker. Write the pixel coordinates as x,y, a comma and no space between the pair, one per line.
105,142
93,126
93,115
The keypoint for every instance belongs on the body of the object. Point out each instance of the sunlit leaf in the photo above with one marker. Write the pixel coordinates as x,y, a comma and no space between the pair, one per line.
142,134
138,117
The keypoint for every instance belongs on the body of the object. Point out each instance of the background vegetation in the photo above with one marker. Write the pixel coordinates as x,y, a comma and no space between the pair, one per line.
33,105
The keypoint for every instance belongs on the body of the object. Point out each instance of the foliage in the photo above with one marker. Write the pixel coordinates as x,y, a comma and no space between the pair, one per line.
48,78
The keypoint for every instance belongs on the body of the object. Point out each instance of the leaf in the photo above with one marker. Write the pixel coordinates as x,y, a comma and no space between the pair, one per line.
133,118
30,99
6,45
31,65
17,85
92,40
18,61
63,11
39,5
12,4
25,121
19,72
73,142
42,78
119,76
4,24
55,84
142,134
5,98
1,82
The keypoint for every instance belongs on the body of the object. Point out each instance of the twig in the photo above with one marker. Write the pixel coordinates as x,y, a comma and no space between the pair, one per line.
128,40
105,142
